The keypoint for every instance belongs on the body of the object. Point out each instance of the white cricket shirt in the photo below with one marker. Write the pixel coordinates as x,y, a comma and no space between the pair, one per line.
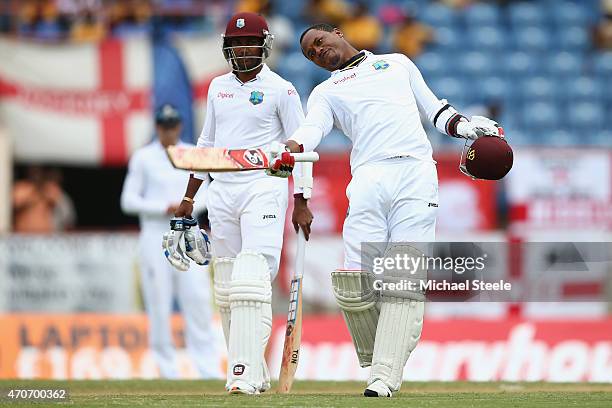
249,115
152,184
376,105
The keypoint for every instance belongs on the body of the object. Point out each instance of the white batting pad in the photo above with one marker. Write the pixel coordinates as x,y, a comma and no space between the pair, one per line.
266,321
222,268
359,304
399,330
250,297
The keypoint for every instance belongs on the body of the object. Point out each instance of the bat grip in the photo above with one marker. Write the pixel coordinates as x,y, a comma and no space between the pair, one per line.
306,157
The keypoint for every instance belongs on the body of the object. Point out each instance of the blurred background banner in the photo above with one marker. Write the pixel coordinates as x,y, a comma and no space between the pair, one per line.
69,273
79,81
109,346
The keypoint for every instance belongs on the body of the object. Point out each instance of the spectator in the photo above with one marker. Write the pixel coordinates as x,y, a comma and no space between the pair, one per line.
39,203
251,6
27,17
333,12
363,30
88,28
411,37
280,26
49,27
603,31
457,4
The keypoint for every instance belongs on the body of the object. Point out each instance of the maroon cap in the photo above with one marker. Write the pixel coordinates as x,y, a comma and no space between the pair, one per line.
246,25
489,158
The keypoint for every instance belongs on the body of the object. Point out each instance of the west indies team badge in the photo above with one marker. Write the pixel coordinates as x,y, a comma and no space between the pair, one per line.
380,64
256,97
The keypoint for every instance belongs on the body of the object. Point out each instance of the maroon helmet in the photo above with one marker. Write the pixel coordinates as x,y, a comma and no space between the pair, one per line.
246,25
488,158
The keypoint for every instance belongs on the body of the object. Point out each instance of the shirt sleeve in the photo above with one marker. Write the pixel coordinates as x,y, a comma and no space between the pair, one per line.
133,201
207,136
318,123
291,116
439,112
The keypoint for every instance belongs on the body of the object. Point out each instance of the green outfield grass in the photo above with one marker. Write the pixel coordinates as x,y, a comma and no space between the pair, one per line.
158,393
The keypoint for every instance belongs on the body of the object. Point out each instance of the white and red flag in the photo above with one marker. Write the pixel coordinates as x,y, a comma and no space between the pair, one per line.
86,104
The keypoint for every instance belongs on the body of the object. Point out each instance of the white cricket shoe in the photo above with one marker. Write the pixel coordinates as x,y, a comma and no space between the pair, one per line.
377,389
241,387
265,387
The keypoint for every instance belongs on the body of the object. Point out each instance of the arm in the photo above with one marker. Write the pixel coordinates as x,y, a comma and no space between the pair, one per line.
132,196
318,123
291,116
442,114
206,139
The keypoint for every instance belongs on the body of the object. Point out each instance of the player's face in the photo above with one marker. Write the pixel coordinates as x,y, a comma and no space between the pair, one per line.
169,136
323,48
248,51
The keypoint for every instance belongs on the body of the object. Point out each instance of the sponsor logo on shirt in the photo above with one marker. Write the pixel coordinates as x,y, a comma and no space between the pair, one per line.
291,92
269,216
380,64
346,78
256,97
224,95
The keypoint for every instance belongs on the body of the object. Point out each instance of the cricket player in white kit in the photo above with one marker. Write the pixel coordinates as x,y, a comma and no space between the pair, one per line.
149,191
250,107
393,194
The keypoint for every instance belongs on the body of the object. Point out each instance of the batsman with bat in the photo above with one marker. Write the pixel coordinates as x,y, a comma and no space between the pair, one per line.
393,195
249,108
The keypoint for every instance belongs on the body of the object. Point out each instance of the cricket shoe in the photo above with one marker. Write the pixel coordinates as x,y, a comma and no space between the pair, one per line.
241,387
377,389
265,387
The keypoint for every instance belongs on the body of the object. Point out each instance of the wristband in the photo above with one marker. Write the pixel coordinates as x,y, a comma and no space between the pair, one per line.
189,200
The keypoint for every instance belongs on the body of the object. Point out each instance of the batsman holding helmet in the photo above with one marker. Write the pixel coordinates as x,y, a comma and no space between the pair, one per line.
393,195
249,107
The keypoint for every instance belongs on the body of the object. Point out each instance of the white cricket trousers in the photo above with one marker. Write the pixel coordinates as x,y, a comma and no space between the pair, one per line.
248,216
159,283
392,200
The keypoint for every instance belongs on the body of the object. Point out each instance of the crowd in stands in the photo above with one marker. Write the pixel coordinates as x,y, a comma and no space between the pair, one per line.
545,65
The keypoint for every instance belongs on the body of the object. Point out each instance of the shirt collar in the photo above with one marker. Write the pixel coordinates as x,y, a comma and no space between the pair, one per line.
260,75
354,61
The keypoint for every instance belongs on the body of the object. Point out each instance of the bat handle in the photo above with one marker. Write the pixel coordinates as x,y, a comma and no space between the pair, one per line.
306,157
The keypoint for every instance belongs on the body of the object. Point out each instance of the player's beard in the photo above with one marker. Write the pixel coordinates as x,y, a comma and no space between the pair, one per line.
332,60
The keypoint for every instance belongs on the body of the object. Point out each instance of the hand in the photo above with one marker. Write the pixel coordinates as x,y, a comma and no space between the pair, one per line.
479,126
302,216
172,208
280,160
185,209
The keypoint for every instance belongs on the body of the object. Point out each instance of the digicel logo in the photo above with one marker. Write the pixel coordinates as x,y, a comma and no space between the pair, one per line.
346,78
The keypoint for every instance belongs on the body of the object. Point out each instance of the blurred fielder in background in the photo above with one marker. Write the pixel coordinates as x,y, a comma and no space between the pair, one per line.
393,195
150,186
250,107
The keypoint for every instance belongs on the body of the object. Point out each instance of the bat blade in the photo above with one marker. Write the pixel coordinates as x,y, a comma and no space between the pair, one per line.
219,159
293,338
216,159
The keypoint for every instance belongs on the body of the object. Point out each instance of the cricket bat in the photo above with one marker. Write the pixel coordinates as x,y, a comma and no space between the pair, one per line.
217,159
293,332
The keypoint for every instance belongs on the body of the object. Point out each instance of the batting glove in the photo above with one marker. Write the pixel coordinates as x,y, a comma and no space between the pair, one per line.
171,244
477,127
281,161
197,246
